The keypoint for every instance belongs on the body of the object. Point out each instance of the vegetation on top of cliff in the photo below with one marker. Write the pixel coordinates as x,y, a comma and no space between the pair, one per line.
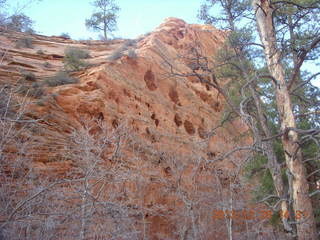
17,21
25,42
262,83
128,46
105,17
65,35
73,59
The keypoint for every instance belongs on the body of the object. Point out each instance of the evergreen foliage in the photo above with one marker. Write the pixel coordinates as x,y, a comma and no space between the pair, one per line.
104,18
251,89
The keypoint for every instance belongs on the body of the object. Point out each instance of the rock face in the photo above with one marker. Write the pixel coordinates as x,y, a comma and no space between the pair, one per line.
160,123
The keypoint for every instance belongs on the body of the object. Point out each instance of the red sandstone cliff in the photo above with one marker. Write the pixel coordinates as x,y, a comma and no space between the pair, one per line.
156,163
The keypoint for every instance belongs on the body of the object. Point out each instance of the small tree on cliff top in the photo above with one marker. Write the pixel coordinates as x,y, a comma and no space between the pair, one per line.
105,17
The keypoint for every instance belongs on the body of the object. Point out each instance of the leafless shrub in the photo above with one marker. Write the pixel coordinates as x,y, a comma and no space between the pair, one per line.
78,53
61,78
65,36
118,53
73,59
35,90
40,52
132,54
115,55
24,43
29,76
47,65
15,172
87,199
129,43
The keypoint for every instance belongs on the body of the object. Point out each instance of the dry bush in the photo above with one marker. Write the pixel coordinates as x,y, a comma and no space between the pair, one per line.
61,78
74,52
40,52
73,59
132,54
65,36
24,43
87,199
129,43
118,53
15,172
47,65
29,76
35,90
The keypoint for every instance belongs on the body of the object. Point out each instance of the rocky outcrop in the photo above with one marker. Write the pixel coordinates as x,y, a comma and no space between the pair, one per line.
170,148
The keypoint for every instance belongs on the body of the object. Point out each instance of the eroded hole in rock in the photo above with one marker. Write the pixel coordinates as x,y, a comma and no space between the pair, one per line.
173,94
156,122
211,155
153,116
126,92
149,78
137,98
167,170
217,107
93,131
100,116
161,158
153,138
219,171
115,123
56,56
180,34
189,127
177,120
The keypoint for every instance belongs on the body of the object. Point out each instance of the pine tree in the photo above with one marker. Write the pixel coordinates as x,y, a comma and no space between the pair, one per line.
105,17
289,37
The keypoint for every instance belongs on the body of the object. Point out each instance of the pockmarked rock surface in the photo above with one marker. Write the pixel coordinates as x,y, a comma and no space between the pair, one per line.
161,120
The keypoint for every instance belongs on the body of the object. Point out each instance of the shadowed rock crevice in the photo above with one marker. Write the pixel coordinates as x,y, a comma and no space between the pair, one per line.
149,133
149,78
174,96
189,127
178,120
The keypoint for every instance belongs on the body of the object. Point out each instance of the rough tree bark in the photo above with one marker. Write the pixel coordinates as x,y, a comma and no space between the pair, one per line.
273,164
306,228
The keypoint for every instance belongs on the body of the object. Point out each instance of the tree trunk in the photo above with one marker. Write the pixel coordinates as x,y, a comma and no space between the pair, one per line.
273,164
105,34
300,189
105,26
